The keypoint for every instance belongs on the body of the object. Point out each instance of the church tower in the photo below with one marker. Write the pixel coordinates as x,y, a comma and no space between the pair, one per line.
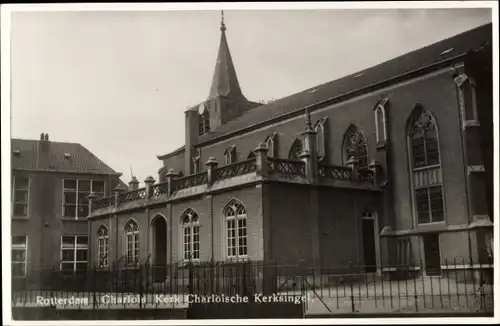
225,101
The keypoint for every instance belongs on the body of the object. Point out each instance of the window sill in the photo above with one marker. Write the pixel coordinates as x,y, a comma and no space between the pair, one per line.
20,217
381,144
81,219
471,124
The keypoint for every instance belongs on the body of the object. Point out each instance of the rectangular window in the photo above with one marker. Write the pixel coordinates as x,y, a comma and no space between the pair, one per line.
231,239
74,251
196,242
75,196
20,196
19,255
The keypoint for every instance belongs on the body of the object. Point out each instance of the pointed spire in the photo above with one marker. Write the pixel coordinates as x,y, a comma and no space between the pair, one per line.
225,82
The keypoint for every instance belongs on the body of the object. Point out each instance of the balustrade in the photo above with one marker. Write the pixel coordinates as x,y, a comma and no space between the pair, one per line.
236,169
335,172
277,165
189,181
271,165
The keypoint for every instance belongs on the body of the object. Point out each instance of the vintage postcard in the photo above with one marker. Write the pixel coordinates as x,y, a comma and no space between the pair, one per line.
239,162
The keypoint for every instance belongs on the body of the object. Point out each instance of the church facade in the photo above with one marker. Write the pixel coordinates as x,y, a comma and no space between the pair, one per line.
392,165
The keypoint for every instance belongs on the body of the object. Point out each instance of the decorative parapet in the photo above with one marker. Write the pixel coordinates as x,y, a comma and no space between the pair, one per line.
103,202
277,165
335,172
189,181
132,195
240,173
234,170
159,189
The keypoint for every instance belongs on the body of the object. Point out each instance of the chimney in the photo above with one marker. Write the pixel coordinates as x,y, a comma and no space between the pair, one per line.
43,152
192,131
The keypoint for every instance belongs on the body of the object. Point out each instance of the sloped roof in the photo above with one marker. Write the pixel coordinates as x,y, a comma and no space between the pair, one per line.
81,160
438,52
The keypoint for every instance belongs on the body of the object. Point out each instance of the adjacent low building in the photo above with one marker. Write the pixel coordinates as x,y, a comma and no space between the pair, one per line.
51,182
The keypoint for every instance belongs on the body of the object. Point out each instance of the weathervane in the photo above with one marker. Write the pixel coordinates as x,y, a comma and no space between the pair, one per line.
222,26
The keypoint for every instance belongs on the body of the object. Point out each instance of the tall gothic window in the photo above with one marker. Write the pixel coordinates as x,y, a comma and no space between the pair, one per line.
296,150
102,246
355,146
426,166
132,242
272,145
191,235
236,230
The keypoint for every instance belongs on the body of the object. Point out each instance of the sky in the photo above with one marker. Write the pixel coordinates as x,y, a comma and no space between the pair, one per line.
119,82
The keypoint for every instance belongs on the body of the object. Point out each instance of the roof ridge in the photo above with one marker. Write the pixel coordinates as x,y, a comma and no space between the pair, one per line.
422,50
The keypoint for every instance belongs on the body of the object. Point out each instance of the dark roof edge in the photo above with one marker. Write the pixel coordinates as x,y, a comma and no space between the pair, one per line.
339,98
168,155
116,174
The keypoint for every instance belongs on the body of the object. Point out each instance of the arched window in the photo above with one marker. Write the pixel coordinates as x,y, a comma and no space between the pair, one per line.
102,246
271,143
236,230
355,146
230,155
320,138
191,235
251,155
296,150
132,241
425,166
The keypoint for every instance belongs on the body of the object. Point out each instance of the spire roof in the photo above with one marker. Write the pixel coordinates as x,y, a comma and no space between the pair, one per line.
225,82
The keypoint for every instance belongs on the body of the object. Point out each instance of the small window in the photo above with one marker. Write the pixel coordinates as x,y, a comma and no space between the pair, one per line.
381,121
272,145
355,146
320,138
230,155
74,251
20,196
19,255
295,150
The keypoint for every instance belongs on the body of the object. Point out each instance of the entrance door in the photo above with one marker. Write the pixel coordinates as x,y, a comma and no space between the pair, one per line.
159,248
432,254
368,226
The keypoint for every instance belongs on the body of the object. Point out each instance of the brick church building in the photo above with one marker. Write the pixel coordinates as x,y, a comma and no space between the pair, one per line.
392,165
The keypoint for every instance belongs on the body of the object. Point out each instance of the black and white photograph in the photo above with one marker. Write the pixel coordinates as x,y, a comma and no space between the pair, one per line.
230,162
